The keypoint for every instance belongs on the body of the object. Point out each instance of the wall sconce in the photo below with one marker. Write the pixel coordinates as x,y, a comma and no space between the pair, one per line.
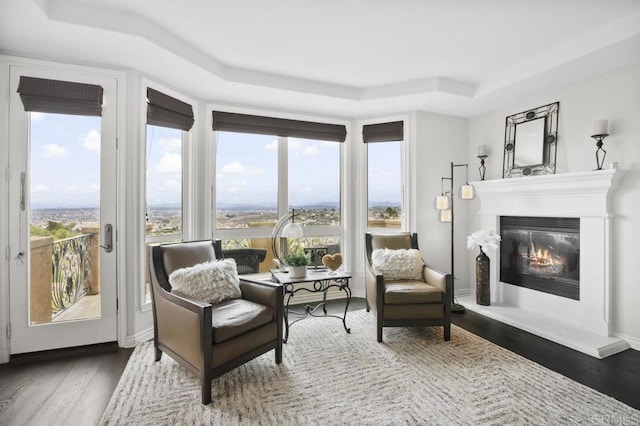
483,153
444,205
600,131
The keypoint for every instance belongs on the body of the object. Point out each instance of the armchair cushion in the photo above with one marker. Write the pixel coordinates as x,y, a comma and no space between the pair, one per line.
399,264
409,291
213,282
238,316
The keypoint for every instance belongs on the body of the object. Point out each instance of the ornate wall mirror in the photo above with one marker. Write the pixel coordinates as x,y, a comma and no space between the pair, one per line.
530,142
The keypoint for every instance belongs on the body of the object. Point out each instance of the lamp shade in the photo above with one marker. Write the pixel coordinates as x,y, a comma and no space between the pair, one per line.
467,192
445,215
292,230
442,202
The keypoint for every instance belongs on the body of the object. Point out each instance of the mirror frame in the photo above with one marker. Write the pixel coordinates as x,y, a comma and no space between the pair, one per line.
549,146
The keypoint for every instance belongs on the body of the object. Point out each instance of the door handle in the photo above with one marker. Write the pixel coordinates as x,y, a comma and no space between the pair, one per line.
108,238
22,191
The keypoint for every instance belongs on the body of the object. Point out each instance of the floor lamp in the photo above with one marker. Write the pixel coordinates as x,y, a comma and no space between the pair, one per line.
444,205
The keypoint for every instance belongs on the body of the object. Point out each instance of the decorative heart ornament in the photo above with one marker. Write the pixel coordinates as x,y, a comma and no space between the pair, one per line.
332,261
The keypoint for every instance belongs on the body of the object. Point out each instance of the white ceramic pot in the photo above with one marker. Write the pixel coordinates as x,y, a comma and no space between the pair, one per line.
297,271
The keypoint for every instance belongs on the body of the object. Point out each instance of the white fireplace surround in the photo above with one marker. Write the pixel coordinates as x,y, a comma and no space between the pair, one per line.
582,324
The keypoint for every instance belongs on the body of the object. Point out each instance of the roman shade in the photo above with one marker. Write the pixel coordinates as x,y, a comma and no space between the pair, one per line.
243,123
60,97
383,132
166,111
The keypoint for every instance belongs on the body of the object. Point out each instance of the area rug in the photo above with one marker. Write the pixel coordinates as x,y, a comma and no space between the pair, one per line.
330,377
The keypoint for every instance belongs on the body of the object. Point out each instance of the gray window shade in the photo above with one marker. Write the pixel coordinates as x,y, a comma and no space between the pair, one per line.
60,97
242,123
383,132
166,111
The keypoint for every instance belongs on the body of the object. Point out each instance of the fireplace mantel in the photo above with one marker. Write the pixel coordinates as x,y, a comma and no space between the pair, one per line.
583,325
567,194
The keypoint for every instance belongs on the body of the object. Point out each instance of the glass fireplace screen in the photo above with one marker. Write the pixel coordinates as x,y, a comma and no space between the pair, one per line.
541,253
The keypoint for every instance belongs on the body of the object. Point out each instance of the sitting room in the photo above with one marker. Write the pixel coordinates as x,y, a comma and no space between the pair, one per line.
337,212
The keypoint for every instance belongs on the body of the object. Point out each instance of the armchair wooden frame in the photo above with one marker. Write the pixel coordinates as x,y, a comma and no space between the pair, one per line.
192,319
375,292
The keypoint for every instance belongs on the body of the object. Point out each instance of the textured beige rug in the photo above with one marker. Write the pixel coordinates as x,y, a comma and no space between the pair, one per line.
329,377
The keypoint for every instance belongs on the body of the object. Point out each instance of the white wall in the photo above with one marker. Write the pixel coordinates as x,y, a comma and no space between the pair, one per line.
441,139
616,97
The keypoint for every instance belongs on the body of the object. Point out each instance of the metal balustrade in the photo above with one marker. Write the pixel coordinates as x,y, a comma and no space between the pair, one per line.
71,268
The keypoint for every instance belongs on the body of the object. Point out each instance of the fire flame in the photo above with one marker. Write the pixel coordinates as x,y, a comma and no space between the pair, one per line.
542,258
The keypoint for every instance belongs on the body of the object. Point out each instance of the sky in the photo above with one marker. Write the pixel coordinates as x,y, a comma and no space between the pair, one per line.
65,167
65,161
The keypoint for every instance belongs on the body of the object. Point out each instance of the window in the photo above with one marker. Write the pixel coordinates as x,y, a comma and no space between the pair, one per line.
385,190
314,181
168,123
261,175
164,183
246,180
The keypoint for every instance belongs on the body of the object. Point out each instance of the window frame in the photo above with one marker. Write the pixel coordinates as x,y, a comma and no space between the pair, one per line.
283,184
405,199
188,169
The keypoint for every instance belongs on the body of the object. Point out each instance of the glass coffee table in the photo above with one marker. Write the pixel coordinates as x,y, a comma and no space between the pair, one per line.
318,281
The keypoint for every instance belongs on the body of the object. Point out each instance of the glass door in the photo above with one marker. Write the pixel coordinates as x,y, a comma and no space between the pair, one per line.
62,217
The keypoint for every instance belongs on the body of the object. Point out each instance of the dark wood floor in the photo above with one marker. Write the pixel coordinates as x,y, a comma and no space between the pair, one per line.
71,388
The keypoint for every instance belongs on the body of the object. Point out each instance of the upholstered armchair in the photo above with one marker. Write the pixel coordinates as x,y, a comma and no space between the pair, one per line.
247,259
210,340
422,300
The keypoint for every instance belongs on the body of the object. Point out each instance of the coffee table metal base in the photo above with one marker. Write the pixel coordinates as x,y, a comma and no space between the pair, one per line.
319,285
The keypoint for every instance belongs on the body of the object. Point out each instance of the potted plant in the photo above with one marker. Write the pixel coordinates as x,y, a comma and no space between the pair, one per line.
297,262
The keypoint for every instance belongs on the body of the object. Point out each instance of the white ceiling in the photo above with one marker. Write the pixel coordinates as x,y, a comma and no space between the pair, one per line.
337,57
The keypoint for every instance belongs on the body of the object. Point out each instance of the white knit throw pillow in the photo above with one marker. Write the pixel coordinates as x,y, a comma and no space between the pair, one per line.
212,282
400,264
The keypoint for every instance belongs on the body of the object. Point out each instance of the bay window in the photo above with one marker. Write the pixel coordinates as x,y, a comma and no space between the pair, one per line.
166,133
266,167
385,189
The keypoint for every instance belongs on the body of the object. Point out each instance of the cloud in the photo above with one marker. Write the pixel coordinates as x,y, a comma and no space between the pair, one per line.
39,188
233,168
170,163
310,151
172,184
271,146
172,145
306,148
91,141
237,168
93,188
53,150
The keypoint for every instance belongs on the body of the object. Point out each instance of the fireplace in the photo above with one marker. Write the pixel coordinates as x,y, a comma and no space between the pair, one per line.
541,253
582,323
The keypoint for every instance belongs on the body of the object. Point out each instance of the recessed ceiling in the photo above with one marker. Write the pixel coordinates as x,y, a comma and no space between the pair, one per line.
338,57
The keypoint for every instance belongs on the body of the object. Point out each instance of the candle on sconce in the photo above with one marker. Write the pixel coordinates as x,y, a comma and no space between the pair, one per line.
600,127
483,151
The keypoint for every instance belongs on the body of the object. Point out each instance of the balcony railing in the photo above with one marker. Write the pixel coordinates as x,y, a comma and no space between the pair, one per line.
62,272
71,266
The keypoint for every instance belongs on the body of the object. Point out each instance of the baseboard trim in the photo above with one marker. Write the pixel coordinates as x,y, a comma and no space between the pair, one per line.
5,354
51,354
633,342
136,339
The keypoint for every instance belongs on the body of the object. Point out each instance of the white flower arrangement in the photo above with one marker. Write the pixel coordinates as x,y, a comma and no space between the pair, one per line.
486,239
